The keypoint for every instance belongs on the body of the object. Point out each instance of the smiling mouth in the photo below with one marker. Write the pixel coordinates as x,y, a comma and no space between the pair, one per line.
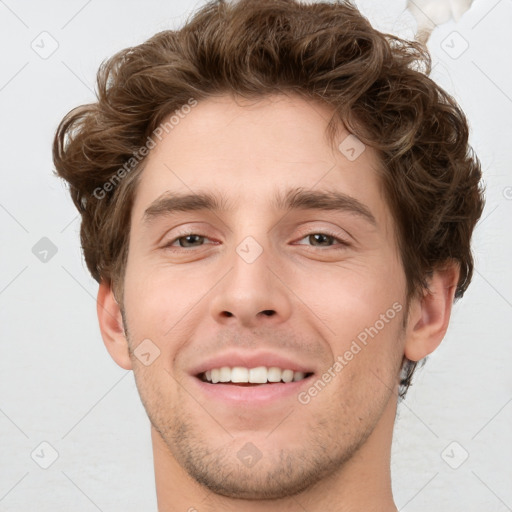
241,376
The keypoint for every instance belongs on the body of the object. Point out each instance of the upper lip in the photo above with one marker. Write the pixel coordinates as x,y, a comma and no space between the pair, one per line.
251,359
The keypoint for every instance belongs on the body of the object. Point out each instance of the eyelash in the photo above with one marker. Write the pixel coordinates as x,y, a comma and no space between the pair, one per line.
333,235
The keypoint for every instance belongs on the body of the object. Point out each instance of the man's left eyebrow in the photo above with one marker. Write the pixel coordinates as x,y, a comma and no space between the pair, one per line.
303,199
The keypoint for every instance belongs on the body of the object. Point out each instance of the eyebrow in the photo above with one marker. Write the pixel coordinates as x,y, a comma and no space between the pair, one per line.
292,199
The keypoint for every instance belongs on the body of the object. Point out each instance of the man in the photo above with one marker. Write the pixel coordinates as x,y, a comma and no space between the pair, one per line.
277,204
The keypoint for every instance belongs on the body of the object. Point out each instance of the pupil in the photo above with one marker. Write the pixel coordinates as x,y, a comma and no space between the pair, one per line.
319,236
190,239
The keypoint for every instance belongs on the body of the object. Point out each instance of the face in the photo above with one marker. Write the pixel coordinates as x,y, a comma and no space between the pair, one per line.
283,269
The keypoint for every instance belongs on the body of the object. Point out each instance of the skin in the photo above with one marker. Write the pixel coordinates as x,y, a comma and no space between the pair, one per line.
319,294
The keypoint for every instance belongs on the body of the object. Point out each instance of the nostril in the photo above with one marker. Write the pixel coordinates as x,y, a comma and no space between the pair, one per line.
267,312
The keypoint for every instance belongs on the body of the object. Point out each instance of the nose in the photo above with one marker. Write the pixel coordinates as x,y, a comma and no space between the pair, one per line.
253,293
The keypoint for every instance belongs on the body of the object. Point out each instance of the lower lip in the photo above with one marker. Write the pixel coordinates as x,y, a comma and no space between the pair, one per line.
247,395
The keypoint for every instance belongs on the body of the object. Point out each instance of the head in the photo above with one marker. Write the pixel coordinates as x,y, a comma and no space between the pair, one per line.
273,178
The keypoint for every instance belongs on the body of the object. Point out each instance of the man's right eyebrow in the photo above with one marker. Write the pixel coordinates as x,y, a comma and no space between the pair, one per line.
169,203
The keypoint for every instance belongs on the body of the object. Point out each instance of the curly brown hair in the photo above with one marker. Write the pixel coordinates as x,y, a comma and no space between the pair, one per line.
377,84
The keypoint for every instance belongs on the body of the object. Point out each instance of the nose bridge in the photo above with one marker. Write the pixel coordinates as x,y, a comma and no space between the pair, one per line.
251,293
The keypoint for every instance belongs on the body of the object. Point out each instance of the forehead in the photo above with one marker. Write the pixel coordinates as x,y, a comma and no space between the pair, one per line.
247,150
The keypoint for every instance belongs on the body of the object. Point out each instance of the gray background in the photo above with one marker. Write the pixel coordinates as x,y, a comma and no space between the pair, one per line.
452,449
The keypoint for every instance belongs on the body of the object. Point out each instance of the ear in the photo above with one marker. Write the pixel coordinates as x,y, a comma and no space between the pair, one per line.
111,326
429,315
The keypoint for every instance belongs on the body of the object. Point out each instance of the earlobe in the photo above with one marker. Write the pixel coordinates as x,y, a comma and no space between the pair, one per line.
111,326
429,315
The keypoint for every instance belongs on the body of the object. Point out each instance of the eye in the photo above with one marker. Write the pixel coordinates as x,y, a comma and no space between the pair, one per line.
321,239
187,240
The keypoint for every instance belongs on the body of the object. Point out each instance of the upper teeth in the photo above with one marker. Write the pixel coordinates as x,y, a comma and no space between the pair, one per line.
259,375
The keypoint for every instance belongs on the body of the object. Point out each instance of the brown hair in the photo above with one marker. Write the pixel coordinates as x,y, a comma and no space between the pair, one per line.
376,84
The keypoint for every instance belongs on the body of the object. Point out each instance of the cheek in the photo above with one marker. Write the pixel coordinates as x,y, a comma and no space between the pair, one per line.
158,299
353,297
364,372
361,308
